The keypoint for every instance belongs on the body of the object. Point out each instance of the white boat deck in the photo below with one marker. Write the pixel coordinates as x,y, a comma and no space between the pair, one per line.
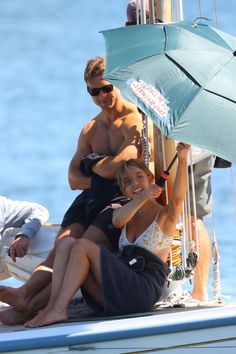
164,330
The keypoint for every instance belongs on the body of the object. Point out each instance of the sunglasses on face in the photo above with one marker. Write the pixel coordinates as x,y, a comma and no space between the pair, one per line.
95,91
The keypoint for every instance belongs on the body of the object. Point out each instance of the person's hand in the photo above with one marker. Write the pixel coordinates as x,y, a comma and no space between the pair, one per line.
152,192
19,247
182,150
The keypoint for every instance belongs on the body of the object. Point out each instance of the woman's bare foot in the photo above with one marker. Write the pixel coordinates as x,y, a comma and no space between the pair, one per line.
47,317
13,317
39,317
16,297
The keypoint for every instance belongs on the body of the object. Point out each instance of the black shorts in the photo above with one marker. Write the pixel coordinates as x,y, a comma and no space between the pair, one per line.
77,212
104,222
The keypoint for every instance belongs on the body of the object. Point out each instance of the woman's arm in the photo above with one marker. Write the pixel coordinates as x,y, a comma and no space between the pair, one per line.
124,214
173,210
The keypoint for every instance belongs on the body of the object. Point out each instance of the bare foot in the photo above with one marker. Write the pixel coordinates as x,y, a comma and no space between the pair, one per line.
200,295
38,318
13,317
47,317
16,297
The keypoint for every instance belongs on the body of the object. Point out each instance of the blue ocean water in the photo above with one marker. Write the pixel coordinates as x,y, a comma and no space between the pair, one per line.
44,104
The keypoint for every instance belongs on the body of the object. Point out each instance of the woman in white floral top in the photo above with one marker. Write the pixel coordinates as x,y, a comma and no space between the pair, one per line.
133,281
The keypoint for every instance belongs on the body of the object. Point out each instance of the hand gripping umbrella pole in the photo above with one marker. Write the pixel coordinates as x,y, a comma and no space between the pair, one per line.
165,174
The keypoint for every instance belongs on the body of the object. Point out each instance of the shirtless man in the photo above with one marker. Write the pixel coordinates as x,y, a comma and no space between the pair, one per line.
113,136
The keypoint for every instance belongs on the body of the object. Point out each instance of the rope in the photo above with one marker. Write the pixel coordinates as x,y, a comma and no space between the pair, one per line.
215,12
164,165
179,10
233,190
200,7
215,266
176,300
215,252
144,139
194,204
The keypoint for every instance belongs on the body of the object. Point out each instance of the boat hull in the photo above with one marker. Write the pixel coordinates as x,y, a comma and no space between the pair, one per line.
168,331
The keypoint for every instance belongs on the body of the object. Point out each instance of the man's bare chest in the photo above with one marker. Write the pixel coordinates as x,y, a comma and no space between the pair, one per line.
106,139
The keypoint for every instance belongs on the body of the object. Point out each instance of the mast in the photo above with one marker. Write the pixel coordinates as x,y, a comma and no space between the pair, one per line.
164,149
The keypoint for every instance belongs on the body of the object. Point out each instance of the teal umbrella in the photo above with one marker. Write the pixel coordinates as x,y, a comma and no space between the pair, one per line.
183,76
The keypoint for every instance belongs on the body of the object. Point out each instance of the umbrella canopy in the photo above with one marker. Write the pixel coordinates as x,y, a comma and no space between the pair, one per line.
182,75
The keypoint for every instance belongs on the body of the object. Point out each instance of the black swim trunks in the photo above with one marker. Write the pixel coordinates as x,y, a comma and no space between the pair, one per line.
95,207
92,201
104,222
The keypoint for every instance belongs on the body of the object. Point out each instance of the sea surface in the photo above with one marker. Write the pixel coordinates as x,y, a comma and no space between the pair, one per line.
45,45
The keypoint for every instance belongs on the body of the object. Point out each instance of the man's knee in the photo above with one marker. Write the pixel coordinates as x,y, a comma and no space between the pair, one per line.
74,230
48,262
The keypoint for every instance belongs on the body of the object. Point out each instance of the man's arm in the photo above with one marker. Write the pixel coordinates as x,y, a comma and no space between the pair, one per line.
131,148
29,217
76,179
26,215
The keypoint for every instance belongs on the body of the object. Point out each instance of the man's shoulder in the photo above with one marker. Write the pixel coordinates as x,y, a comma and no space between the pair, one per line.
91,123
132,117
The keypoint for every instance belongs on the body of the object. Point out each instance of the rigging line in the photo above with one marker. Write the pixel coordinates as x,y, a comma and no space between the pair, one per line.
144,139
215,13
143,12
233,190
186,227
200,7
215,258
164,165
216,284
151,11
138,11
188,214
194,205
179,10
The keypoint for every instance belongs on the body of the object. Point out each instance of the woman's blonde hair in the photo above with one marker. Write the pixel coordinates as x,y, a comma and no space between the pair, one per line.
136,163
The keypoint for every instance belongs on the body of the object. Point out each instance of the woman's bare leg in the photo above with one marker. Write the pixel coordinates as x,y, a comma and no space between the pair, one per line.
84,262
63,251
20,297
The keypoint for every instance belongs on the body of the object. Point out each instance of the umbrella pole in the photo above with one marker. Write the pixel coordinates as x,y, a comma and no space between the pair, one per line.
165,174
161,10
163,149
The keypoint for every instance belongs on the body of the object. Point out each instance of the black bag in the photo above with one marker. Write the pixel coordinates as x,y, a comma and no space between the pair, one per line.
139,259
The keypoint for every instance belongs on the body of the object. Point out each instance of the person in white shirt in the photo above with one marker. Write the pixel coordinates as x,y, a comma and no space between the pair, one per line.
26,218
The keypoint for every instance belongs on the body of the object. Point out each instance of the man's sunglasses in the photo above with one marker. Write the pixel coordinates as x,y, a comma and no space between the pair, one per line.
95,91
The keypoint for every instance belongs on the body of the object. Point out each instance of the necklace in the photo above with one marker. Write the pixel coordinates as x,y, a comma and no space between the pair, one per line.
147,210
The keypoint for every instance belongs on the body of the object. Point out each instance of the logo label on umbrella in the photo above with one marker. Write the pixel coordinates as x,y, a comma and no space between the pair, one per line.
152,98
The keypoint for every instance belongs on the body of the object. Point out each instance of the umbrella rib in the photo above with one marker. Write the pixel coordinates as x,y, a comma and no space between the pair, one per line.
183,70
164,29
217,94
195,81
